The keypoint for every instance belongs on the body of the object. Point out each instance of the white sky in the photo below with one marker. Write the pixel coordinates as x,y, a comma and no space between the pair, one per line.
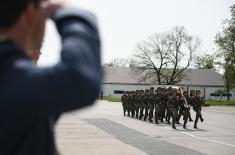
123,23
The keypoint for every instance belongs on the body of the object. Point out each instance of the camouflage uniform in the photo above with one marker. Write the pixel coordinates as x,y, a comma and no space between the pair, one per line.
172,107
137,103
184,110
128,106
132,104
165,97
162,104
157,113
197,103
146,104
124,103
151,106
141,104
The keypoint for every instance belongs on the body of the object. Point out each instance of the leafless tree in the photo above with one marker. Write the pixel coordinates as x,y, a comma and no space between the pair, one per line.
118,62
164,57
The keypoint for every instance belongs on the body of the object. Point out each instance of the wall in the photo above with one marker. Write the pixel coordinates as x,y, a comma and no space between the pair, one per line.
210,90
108,90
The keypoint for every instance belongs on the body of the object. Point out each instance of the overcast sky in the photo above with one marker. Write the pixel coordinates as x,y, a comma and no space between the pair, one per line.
123,23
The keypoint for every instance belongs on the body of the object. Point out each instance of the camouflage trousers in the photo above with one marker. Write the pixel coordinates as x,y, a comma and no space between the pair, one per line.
157,112
146,111
198,115
172,112
151,110
141,114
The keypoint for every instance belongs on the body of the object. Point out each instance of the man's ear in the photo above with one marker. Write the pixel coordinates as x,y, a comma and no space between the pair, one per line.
30,14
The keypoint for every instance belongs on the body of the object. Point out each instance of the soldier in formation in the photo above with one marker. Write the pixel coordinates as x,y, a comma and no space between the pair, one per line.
168,103
197,102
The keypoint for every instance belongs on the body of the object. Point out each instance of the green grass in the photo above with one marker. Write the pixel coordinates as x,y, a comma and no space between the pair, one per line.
112,99
213,102
208,102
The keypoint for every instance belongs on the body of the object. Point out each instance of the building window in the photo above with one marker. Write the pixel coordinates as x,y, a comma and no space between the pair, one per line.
118,91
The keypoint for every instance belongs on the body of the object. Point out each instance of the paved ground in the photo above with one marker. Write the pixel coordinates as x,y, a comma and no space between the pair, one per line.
103,130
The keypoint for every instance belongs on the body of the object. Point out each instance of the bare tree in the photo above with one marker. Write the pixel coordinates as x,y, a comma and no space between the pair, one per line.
118,62
164,57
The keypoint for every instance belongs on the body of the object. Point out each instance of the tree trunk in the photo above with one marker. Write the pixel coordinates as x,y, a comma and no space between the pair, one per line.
228,93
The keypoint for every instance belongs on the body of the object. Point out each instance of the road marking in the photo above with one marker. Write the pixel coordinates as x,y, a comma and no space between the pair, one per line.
209,140
214,141
224,112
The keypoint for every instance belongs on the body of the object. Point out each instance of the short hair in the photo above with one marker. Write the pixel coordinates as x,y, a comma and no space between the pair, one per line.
10,11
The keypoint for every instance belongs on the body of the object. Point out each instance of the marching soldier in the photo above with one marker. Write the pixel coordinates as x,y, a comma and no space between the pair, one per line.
137,103
162,103
187,98
184,107
172,108
128,103
156,105
197,103
146,107
124,103
151,104
132,103
141,103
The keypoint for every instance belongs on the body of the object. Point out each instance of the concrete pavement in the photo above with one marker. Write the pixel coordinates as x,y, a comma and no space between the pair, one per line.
102,129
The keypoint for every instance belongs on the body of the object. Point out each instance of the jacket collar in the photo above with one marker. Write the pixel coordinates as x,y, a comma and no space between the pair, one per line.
9,49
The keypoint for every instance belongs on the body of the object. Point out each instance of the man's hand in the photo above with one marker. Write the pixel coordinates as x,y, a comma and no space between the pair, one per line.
48,8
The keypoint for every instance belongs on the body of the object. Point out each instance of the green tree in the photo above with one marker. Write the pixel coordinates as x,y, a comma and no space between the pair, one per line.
205,62
225,41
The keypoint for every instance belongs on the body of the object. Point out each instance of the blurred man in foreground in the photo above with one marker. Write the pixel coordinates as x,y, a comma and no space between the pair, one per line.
31,98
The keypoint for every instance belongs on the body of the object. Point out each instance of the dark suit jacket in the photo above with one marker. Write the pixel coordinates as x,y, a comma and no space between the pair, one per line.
31,98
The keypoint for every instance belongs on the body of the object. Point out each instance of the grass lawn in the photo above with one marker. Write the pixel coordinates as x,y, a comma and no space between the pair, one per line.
112,99
208,102
213,102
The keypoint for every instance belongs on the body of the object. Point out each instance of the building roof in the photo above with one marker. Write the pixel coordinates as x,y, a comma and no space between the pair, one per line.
201,77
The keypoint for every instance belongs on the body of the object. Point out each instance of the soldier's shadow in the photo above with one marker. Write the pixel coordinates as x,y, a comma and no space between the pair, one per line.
180,127
195,130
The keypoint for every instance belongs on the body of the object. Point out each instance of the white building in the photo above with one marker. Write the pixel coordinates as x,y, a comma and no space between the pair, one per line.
119,79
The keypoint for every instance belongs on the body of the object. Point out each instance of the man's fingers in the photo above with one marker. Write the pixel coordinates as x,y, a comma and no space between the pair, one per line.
48,8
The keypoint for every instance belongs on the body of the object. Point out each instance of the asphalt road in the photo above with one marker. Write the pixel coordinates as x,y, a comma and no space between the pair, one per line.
215,136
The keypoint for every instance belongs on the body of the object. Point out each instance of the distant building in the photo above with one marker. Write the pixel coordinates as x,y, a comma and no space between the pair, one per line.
119,79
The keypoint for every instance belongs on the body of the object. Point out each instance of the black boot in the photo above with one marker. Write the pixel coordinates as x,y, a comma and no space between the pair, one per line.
196,120
190,118
145,118
184,126
195,124
201,118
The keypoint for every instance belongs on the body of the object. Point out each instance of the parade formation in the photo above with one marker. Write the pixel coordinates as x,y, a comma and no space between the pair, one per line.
169,104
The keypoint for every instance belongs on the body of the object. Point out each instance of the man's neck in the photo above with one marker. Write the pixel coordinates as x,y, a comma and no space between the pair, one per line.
15,35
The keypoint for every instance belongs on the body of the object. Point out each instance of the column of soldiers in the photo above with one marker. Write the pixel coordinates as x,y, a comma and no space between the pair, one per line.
157,105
